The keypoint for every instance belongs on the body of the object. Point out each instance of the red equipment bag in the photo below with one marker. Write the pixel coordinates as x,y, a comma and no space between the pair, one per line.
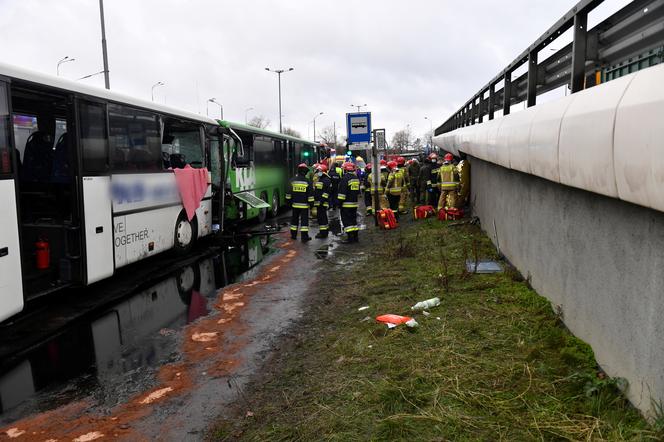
450,214
421,212
387,220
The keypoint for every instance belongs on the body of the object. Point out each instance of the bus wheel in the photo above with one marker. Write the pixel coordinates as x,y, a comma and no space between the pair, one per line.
262,213
185,233
274,209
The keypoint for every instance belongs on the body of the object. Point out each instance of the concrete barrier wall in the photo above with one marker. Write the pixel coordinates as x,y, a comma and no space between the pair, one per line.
598,258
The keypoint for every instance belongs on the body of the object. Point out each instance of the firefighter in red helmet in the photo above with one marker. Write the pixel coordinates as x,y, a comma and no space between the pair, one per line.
434,180
449,180
405,184
322,190
394,186
301,198
349,193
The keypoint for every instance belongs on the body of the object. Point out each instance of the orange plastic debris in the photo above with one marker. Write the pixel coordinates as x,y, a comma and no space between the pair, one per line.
393,319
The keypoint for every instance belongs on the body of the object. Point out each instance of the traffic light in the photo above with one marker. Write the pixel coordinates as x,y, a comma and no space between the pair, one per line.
306,153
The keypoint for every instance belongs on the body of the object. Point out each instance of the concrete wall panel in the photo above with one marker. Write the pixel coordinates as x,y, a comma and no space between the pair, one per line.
639,140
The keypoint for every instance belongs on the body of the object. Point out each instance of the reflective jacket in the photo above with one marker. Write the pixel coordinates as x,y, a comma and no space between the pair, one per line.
349,190
322,191
435,176
449,179
381,185
395,182
299,192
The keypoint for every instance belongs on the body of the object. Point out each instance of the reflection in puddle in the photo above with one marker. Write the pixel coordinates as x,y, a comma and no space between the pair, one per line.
113,353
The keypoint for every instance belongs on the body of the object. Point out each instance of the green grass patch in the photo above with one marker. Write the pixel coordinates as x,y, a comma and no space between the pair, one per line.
492,362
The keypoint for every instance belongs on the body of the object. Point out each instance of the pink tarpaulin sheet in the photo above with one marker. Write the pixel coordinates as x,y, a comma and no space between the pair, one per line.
192,185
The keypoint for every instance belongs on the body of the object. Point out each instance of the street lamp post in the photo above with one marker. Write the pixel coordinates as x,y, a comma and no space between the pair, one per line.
221,106
64,60
430,132
107,81
157,84
245,114
358,106
316,116
279,72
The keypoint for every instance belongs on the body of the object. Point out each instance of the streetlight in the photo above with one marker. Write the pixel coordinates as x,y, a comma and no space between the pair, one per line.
279,72
157,84
316,116
107,81
358,106
214,100
245,113
64,60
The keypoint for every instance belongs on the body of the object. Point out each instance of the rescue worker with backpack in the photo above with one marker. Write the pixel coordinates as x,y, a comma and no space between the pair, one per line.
322,200
449,180
300,196
349,193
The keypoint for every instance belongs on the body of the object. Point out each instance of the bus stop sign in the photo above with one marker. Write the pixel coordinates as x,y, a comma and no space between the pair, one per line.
358,126
379,139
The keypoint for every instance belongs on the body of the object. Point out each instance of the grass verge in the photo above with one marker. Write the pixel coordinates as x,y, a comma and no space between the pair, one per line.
492,362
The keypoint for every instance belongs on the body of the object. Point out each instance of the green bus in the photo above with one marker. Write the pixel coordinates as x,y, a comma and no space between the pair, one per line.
258,164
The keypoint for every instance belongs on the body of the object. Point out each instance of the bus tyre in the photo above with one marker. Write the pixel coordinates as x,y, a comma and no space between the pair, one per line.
274,208
185,233
262,213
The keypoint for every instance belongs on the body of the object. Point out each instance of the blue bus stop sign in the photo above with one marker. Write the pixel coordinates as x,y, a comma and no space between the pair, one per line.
358,127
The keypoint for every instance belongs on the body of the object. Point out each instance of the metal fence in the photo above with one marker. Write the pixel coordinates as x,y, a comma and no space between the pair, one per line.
629,40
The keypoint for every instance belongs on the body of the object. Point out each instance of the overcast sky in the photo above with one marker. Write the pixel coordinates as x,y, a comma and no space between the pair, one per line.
405,59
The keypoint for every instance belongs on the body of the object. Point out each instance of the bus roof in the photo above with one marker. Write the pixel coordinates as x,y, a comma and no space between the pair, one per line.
39,78
239,126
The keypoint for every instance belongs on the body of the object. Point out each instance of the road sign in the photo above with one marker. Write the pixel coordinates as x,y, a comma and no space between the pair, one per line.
379,138
358,127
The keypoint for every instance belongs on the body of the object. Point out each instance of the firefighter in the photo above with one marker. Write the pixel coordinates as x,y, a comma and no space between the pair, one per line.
393,188
301,197
449,180
322,200
434,182
366,186
414,180
349,192
424,180
335,177
405,184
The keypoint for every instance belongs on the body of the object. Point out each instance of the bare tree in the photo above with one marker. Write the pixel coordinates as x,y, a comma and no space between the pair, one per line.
328,136
259,121
292,132
401,139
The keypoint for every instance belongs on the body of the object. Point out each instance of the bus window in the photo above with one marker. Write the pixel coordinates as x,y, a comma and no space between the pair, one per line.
248,144
216,161
93,137
263,151
134,139
182,144
5,148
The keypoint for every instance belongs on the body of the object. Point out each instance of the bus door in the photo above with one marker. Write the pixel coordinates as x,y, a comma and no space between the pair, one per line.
43,122
96,187
217,162
11,285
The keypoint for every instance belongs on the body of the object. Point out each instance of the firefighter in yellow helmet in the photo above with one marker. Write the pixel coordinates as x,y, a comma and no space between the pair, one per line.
449,180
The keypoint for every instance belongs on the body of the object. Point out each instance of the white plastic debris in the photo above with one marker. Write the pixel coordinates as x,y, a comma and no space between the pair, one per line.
423,305
365,307
412,323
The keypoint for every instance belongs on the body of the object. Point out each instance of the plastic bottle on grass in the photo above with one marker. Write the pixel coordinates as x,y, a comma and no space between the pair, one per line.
424,305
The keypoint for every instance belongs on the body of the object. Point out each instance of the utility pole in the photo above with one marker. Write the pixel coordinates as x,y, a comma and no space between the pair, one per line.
279,72
107,80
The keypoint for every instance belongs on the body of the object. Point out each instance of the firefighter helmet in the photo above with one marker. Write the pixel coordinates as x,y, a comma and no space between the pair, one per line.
392,165
349,167
401,161
322,167
383,163
368,167
448,157
433,156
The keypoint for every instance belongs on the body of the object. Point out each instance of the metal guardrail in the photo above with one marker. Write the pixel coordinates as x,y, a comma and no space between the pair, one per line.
630,39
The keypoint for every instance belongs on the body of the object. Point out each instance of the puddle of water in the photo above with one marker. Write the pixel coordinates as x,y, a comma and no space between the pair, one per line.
113,353
483,266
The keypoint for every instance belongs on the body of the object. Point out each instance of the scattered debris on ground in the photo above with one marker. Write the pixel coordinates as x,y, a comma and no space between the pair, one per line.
494,363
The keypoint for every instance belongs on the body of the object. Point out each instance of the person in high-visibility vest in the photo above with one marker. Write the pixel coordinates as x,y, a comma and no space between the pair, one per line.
321,200
405,184
383,203
394,185
449,180
300,196
349,192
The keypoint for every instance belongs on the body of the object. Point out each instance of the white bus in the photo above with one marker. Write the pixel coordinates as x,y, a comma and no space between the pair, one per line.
89,172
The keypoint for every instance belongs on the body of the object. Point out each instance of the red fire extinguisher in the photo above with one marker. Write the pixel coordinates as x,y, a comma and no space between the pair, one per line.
42,254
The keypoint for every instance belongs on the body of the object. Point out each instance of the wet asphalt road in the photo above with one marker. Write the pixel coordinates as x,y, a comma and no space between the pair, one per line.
159,351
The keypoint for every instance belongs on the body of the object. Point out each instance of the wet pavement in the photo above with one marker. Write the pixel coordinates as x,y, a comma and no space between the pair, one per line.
158,351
